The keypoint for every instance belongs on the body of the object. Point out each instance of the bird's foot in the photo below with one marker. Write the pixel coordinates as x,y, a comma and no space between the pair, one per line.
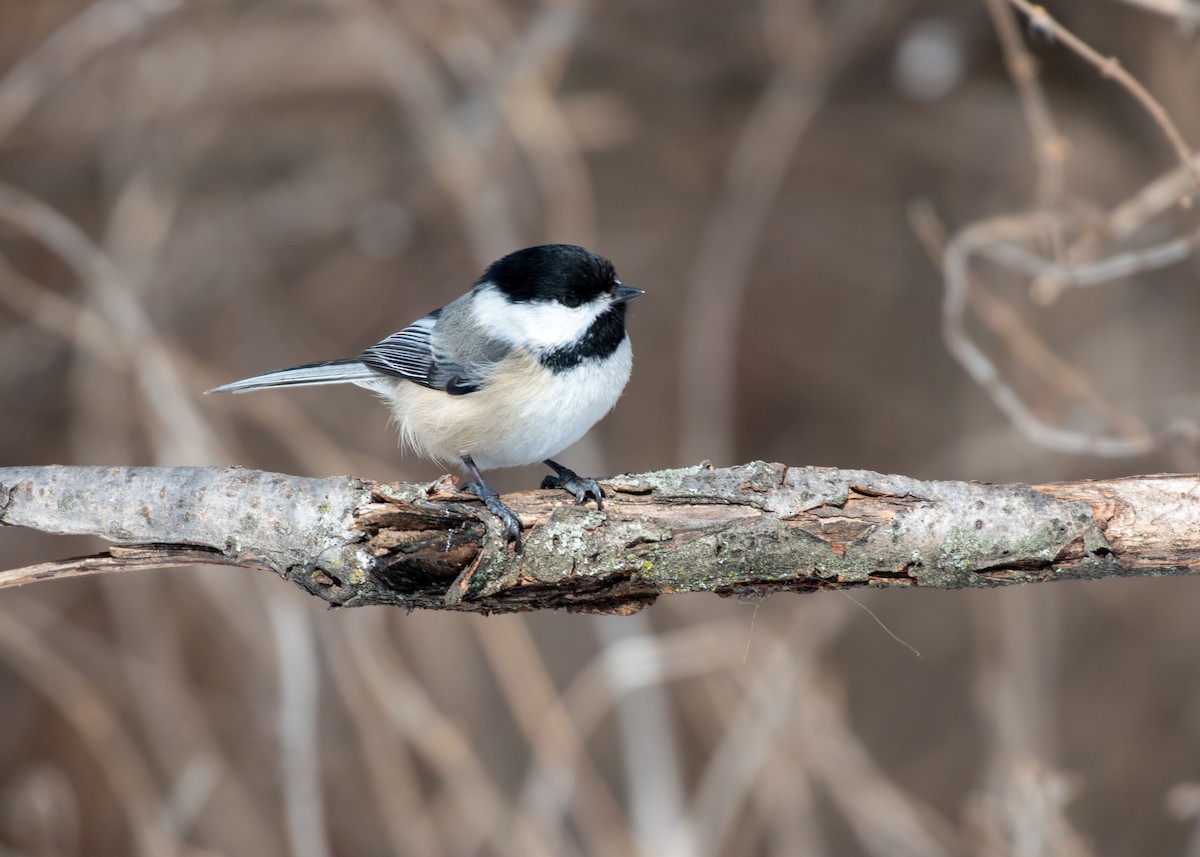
569,480
512,524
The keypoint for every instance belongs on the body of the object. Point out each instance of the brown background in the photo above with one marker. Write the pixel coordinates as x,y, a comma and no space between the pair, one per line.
274,183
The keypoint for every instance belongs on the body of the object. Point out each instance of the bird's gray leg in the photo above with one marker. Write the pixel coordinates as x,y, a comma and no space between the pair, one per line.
485,492
568,480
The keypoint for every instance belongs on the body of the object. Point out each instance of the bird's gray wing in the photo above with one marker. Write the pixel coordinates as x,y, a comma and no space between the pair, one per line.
438,351
406,354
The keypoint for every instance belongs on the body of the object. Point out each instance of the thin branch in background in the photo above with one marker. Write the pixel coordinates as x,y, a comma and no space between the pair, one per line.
407,69
757,722
97,29
1000,240
1090,259
788,811
140,219
1183,804
299,729
629,665
115,559
76,325
1110,67
116,330
887,820
1021,806
1051,278
809,52
179,431
621,669
771,705
208,796
975,239
575,792
101,729
478,812
652,767
1186,12
393,783
162,388
193,788
1120,223
1065,383
523,87
1050,147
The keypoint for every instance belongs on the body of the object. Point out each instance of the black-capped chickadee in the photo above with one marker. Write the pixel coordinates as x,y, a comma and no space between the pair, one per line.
511,373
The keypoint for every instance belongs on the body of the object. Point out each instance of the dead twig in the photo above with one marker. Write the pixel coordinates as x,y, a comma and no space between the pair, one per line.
1111,68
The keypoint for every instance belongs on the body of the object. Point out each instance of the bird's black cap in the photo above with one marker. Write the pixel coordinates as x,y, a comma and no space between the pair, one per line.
551,272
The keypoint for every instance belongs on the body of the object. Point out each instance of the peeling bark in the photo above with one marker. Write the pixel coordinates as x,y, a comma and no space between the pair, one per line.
753,529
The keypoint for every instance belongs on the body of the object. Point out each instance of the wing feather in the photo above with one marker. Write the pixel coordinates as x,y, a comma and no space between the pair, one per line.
440,351
406,354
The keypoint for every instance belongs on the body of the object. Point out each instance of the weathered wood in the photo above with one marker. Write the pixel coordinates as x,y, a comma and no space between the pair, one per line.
752,529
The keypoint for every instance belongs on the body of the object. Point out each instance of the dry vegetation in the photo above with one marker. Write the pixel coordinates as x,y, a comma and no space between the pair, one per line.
193,192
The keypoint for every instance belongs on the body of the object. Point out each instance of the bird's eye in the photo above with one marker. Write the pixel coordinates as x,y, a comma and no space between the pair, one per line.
571,300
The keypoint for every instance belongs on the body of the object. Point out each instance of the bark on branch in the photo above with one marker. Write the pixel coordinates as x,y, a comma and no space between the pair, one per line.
752,529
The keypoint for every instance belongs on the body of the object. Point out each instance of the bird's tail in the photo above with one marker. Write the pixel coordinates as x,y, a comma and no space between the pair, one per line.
352,371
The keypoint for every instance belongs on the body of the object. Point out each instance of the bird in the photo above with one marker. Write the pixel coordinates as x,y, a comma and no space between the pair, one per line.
511,373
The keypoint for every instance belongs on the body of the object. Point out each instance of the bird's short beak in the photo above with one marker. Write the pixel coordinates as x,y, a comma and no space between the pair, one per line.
627,293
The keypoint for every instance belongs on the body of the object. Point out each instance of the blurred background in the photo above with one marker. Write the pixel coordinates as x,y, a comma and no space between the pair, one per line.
915,236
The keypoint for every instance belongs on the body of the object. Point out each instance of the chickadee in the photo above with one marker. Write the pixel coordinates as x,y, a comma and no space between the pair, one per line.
511,373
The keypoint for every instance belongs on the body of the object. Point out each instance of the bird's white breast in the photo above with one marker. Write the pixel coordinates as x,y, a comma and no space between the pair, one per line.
524,413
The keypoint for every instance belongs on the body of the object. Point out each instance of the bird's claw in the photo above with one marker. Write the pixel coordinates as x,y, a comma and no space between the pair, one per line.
512,524
570,481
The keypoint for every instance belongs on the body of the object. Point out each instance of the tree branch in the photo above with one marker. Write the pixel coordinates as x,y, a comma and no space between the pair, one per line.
753,529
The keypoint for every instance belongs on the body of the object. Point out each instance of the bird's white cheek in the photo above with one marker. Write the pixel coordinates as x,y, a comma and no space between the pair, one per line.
537,325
